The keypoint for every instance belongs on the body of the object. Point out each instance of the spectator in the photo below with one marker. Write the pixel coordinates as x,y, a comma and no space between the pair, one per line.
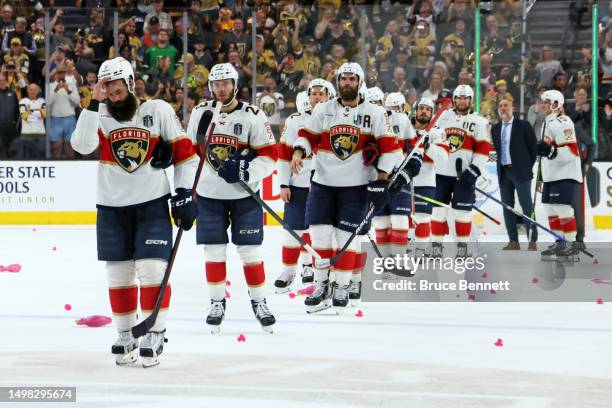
95,34
86,90
465,78
177,103
16,80
426,14
177,38
25,38
495,42
197,76
129,29
535,115
272,103
8,117
560,84
337,56
436,84
580,113
422,48
121,41
201,54
18,55
604,141
245,94
140,90
288,80
334,35
547,67
266,62
308,60
31,144
57,37
159,80
150,38
165,22
384,47
398,82
162,49
192,102
605,61
62,100
458,10
7,22
234,59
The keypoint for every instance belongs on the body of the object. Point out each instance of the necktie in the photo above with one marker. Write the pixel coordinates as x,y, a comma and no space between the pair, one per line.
505,143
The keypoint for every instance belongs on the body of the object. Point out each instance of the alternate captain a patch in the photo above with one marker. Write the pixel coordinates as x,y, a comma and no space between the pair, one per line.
130,147
344,140
220,149
456,137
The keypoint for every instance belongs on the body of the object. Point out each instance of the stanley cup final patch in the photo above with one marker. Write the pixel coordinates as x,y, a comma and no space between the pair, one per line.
344,140
220,149
130,147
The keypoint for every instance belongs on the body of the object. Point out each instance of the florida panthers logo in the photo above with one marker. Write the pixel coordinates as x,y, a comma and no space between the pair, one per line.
130,147
344,140
221,148
456,138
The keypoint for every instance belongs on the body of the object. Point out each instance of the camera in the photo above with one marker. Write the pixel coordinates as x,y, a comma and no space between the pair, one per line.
11,67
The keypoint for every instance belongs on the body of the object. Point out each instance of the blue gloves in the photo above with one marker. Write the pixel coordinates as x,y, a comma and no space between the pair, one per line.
378,194
547,150
236,168
413,167
469,176
184,209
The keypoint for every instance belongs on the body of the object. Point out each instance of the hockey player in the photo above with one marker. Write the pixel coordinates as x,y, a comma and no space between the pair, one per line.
241,149
294,189
340,192
134,230
435,154
467,135
560,173
375,95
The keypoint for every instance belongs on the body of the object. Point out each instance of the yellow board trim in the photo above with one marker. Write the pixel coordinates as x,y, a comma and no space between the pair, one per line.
602,221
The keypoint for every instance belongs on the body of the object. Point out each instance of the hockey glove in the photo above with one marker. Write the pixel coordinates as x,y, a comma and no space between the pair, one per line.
425,142
162,155
547,150
184,209
378,193
371,153
413,167
469,176
401,180
236,168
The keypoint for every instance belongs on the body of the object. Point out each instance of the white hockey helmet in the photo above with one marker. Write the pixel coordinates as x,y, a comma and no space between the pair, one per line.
350,68
330,90
221,72
363,89
302,103
427,102
395,99
553,96
118,68
463,90
317,82
375,94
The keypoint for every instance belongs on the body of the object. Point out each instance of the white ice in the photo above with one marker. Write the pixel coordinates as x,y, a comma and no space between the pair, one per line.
396,355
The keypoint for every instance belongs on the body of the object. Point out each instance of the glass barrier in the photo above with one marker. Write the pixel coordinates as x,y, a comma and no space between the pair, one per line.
511,49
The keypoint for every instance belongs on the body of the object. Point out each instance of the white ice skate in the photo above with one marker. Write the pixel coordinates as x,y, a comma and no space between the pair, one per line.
340,298
216,314
355,293
125,348
263,315
151,347
283,283
320,298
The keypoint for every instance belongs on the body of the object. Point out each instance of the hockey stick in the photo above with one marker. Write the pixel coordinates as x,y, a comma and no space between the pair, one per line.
459,169
531,221
394,175
535,194
143,327
375,246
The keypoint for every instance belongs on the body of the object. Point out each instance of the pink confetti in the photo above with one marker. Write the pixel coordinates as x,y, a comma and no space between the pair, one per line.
33,229
534,280
94,321
307,290
484,232
67,306
2,268
359,313
493,291
595,261
292,295
241,338
228,283
227,295
472,297
54,248
598,281
499,343
13,268
485,275
600,301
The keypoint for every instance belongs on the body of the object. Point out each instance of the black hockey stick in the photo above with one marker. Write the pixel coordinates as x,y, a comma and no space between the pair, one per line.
531,221
535,194
206,122
459,169
394,176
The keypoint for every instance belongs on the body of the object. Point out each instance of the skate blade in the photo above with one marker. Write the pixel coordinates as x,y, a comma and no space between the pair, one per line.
319,308
355,302
340,310
549,258
568,259
280,291
268,329
214,330
148,362
126,359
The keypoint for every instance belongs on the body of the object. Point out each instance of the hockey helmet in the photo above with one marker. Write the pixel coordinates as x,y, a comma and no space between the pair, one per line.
553,96
330,90
118,68
426,102
302,103
350,68
223,71
375,95
395,99
463,90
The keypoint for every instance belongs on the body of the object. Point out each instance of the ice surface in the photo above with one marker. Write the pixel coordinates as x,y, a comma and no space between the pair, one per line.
396,355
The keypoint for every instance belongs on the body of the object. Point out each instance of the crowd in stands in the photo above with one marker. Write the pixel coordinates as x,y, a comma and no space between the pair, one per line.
417,47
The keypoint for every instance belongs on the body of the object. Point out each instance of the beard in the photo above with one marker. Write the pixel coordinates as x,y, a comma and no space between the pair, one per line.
423,120
124,110
348,93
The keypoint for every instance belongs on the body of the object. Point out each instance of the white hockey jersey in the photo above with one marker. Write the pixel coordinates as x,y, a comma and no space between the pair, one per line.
402,129
125,175
34,124
246,127
293,124
468,138
437,155
559,131
339,133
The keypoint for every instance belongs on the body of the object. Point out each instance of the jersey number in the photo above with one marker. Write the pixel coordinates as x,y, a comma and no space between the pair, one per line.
254,110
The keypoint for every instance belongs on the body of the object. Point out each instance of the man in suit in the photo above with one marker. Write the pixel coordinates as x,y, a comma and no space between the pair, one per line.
515,143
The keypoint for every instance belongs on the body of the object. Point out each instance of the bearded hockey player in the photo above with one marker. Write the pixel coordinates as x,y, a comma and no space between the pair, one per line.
560,173
294,188
435,154
134,230
241,148
467,134
340,190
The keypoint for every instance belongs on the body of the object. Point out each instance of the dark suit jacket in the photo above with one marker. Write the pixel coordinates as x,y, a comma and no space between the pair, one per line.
523,149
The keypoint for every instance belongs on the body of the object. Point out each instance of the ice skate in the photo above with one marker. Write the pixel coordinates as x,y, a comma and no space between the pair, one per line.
320,298
283,283
340,298
216,314
151,347
263,315
462,250
307,274
124,348
421,251
549,254
567,253
436,250
355,293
